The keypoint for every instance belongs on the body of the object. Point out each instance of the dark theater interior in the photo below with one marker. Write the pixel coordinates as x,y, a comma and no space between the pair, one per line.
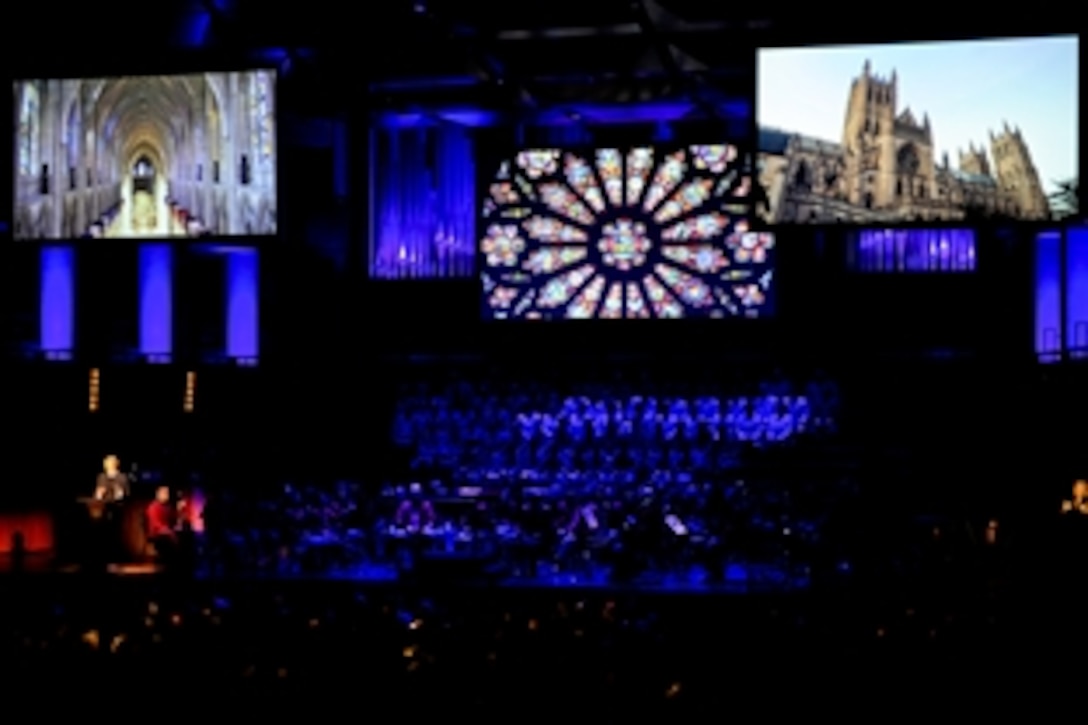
589,360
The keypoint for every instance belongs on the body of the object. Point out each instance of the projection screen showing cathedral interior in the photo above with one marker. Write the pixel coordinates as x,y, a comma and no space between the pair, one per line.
144,157
919,132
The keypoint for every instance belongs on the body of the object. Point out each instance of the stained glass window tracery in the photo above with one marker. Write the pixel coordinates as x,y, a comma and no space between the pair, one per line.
624,233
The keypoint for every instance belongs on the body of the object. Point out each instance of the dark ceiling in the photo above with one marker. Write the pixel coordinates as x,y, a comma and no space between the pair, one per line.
536,52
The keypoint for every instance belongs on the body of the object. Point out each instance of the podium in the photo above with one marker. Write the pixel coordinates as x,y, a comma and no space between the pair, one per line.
96,509
109,532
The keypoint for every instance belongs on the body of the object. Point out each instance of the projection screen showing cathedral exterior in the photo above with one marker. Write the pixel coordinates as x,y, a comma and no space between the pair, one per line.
146,157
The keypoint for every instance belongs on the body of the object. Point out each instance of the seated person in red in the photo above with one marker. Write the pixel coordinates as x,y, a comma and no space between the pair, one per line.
162,523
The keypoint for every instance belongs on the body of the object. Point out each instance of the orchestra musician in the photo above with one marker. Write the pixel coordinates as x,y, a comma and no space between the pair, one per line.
415,518
583,522
111,486
415,514
578,534
1078,503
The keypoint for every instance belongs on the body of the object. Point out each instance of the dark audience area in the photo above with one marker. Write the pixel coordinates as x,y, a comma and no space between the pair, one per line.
570,655
960,617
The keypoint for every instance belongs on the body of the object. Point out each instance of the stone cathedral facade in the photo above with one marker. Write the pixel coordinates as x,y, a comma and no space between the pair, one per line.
146,156
885,170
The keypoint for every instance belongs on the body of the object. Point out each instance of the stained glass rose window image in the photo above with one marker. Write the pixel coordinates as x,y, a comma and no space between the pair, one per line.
637,233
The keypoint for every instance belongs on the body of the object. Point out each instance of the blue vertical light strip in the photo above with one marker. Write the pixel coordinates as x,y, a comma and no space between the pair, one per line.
1076,301
58,302
340,161
371,200
1048,296
243,298
156,265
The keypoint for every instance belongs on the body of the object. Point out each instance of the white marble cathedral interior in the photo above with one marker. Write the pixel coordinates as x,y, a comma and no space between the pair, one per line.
146,156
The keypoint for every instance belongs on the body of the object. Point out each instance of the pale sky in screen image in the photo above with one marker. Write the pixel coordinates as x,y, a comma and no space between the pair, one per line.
968,88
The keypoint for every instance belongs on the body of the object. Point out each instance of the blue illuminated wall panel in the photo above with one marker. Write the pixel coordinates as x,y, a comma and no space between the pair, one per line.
58,299
243,305
423,218
1076,301
1048,296
156,290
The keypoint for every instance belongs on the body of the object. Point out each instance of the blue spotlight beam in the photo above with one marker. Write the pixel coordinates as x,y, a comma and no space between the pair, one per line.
243,304
57,301
156,289
1048,296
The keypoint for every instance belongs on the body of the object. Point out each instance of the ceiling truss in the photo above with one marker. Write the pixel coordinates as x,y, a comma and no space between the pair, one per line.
525,55
524,66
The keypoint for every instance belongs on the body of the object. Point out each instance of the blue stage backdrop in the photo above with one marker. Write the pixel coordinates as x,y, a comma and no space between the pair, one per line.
243,306
1077,292
156,290
1048,296
423,215
914,250
58,299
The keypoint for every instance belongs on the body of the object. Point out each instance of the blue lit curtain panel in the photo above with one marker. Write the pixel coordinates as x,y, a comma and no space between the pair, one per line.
1076,245
1048,296
638,233
914,250
58,301
243,305
424,225
156,265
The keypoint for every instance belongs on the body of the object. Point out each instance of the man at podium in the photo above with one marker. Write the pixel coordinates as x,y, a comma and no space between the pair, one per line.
106,533
111,486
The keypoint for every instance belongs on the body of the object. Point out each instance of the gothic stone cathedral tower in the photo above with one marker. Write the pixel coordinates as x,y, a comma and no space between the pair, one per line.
1016,174
888,157
885,169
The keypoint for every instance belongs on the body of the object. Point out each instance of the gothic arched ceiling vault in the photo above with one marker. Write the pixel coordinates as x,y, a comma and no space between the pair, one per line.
149,111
